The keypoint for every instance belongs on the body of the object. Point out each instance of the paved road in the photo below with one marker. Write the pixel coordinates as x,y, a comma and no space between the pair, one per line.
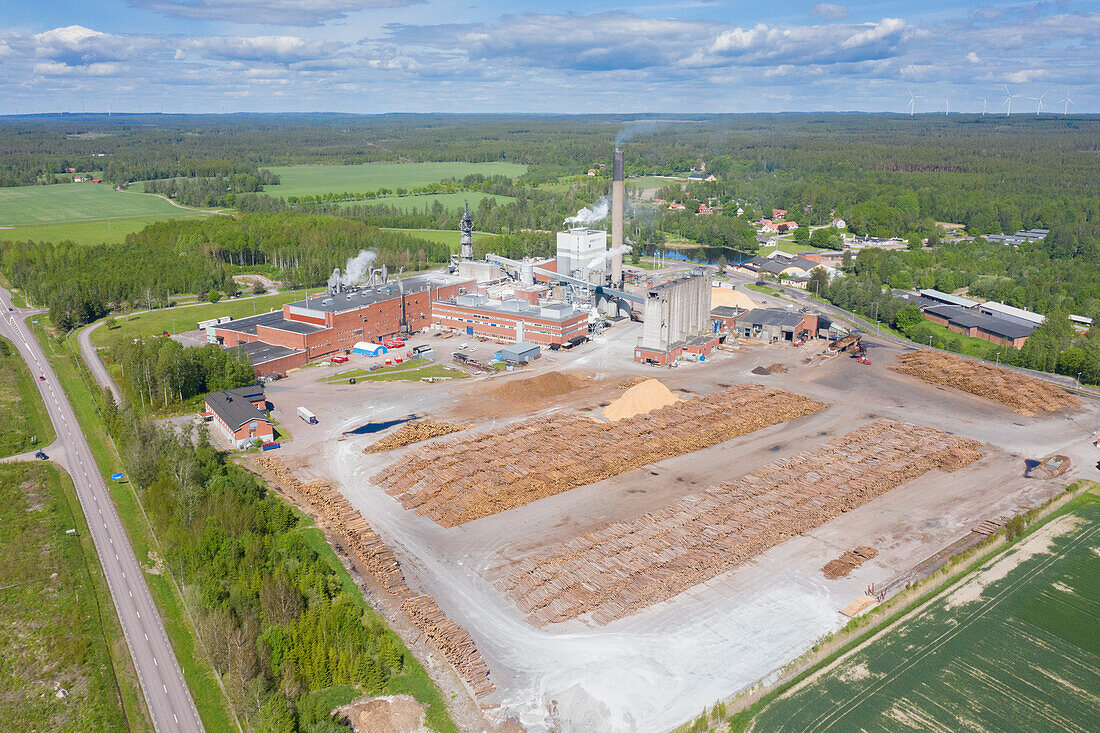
166,693
91,357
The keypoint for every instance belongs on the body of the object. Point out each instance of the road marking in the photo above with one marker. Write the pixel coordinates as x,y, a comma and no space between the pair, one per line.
155,664
131,593
146,637
165,689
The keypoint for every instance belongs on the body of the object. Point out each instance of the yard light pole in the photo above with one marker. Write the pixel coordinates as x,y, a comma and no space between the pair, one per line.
998,358
1078,379
930,342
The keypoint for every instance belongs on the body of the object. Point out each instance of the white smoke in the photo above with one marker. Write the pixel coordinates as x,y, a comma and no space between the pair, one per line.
357,268
597,212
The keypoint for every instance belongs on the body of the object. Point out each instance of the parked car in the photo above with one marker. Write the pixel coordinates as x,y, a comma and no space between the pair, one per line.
41,378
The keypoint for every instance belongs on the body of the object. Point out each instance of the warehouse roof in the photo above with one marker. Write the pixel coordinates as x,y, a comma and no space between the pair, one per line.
725,311
260,353
273,319
770,317
233,409
966,318
948,298
361,297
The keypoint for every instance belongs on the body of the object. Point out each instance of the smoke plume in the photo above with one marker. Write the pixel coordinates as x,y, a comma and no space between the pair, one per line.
643,127
357,268
587,215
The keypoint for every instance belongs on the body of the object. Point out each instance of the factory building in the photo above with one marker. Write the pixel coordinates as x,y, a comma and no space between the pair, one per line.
241,414
582,253
673,312
512,320
334,322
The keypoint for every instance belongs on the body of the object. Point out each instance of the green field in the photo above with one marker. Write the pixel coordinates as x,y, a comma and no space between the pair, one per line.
52,636
410,371
185,318
24,424
449,201
444,236
76,202
1012,646
308,180
86,232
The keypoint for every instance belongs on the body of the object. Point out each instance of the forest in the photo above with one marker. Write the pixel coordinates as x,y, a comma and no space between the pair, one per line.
159,372
274,618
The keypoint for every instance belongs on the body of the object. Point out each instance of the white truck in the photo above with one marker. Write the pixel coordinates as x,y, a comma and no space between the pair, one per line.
306,415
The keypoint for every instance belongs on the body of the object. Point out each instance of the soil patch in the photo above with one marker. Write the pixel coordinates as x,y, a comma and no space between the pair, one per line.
641,398
770,369
392,714
539,387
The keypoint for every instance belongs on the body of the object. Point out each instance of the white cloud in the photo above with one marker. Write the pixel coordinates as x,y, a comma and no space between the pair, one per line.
267,12
828,11
973,58
262,49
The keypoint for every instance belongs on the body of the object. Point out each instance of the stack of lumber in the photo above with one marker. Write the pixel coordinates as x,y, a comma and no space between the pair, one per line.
625,566
460,480
453,640
1026,395
362,543
415,431
848,562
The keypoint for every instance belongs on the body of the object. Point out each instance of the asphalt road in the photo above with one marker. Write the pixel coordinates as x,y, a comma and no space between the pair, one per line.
166,694
95,364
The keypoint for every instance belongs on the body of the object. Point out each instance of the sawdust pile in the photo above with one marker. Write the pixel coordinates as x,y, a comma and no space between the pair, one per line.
532,389
461,479
414,431
392,714
770,369
732,298
641,398
848,562
625,566
1026,395
632,381
363,544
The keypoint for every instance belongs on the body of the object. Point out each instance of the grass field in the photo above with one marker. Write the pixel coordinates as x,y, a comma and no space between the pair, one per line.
75,202
409,371
185,318
53,635
24,424
449,237
306,180
1012,646
87,232
449,201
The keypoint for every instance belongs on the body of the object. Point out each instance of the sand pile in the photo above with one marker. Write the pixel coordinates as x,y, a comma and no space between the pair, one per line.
641,398
771,369
731,298
540,387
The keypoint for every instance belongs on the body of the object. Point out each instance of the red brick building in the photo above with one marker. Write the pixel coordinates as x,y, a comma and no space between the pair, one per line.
241,414
511,320
327,324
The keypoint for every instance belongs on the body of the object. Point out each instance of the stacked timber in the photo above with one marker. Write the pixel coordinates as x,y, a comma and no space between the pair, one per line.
848,562
625,566
459,480
362,543
1025,394
415,431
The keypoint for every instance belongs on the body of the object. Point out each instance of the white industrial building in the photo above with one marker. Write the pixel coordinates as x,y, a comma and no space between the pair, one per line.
582,251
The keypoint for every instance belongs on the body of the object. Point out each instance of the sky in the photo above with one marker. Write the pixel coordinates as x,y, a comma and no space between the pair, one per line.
701,56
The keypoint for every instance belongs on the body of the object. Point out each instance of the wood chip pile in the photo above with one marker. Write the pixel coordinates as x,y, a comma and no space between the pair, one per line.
626,566
848,562
460,480
414,431
1026,395
365,545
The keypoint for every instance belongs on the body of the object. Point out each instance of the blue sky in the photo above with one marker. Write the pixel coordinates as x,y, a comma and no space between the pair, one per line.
373,56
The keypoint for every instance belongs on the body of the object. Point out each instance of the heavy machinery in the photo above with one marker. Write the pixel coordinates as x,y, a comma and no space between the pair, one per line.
852,343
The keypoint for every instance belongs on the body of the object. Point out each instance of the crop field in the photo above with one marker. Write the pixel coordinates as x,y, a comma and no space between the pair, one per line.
308,180
1013,646
51,638
24,424
449,201
97,231
78,202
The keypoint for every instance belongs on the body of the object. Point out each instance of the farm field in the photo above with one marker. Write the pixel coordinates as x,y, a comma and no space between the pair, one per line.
1010,647
449,201
78,202
444,236
24,424
97,231
306,180
51,638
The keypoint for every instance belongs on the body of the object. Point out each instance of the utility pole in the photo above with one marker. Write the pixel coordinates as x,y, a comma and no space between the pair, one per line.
998,358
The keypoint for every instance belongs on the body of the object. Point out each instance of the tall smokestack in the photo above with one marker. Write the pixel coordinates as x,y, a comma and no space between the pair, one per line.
617,192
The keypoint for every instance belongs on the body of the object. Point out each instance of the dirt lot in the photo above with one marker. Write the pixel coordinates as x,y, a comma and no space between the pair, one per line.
654,669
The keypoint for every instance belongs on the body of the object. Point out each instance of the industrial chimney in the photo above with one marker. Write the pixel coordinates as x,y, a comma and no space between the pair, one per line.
617,193
466,226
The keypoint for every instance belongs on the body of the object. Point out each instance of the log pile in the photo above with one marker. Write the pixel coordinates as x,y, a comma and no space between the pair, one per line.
848,562
460,480
452,639
415,431
1026,395
625,566
365,545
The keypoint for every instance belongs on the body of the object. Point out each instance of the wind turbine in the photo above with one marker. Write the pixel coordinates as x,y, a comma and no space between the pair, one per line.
1066,100
1039,99
1009,96
947,106
912,101
985,103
